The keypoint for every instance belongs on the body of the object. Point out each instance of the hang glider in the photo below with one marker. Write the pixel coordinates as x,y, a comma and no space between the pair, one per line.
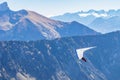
81,51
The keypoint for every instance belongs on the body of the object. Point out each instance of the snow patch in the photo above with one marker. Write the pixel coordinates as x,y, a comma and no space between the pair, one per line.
93,14
84,14
99,15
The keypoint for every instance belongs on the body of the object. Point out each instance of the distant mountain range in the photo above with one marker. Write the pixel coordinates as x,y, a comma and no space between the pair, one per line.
57,59
34,47
106,25
101,21
28,25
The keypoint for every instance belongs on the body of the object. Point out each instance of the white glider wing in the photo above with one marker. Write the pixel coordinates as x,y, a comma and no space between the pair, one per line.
81,51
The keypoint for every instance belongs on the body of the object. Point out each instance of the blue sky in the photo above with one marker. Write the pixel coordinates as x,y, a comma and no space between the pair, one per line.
57,7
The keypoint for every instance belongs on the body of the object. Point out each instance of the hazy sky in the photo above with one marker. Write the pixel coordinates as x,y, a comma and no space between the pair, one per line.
56,7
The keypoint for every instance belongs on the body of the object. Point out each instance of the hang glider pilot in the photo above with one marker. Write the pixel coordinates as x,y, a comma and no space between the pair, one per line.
81,51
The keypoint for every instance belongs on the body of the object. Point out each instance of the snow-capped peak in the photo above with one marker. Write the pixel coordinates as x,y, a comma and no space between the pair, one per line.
93,14
99,15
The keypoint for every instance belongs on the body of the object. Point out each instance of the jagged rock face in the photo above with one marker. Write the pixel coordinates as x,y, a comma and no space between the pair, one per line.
4,7
58,60
107,57
45,60
98,20
24,22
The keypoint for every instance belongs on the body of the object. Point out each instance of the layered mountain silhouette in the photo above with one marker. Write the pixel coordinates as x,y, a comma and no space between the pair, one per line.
57,59
99,20
34,47
29,25
106,25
